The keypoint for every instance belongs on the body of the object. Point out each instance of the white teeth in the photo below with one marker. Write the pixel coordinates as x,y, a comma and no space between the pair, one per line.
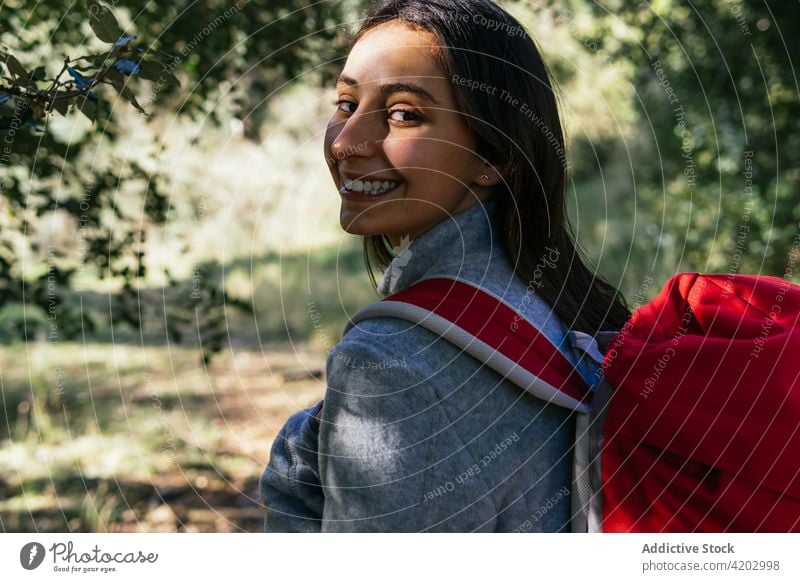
372,187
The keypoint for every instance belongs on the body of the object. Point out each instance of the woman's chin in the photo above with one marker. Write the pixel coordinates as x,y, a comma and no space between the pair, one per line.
353,224
362,221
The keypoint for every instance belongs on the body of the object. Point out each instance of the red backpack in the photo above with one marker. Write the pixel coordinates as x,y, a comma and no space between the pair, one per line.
693,422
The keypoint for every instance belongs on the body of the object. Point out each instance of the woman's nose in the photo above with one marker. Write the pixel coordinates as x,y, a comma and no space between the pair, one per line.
359,135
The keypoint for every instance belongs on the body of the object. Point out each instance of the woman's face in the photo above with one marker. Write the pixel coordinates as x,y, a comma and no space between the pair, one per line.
398,127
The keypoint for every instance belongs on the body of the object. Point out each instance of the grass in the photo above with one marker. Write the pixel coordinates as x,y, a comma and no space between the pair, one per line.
124,430
142,438
275,288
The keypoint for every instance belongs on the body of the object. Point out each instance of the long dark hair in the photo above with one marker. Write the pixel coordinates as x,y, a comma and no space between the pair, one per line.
523,140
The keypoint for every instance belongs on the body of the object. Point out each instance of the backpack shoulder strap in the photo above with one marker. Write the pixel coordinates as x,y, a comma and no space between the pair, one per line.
491,331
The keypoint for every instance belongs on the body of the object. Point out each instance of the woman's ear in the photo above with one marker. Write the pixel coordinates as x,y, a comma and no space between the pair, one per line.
488,175
492,169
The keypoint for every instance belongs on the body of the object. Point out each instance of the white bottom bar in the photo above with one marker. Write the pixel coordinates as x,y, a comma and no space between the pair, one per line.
400,557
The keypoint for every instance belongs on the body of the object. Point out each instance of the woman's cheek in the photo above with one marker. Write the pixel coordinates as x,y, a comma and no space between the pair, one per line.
412,153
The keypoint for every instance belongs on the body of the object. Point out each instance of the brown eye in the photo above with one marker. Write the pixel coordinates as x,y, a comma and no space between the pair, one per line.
412,116
340,102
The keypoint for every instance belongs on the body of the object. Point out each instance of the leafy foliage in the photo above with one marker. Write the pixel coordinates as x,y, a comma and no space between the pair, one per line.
719,100
128,54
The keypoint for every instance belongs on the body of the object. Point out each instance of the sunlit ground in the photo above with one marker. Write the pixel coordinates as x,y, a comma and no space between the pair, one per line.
123,438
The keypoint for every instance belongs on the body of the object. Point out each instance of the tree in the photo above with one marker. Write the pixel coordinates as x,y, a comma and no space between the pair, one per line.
136,54
717,151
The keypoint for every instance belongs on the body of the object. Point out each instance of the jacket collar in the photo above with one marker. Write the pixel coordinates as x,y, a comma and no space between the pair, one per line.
444,249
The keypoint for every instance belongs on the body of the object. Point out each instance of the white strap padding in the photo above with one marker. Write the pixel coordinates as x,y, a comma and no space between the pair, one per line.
473,346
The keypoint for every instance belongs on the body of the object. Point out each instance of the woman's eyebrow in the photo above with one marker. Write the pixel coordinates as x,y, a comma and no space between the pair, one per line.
389,88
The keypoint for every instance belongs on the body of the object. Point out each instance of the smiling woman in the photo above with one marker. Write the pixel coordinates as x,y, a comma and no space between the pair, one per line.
395,101
434,157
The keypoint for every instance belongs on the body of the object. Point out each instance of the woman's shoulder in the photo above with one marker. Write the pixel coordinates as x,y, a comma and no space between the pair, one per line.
386,342
391,345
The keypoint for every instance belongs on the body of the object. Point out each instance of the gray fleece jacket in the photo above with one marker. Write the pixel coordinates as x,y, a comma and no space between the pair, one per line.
417,435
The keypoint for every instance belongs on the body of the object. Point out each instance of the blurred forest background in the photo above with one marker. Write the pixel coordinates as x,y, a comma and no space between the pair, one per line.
172,271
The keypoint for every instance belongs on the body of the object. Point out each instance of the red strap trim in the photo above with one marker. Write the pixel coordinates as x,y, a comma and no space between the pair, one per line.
499,326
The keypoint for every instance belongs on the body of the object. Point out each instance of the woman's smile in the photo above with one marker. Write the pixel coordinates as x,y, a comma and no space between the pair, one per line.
397,137
366,187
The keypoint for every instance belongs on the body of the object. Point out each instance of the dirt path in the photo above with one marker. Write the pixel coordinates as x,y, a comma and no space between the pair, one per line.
198,440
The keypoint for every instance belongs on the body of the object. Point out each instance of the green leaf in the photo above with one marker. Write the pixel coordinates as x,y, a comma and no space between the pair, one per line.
155,71
61,105
119,82
16,68
103,22
100,60
87,107
38,74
